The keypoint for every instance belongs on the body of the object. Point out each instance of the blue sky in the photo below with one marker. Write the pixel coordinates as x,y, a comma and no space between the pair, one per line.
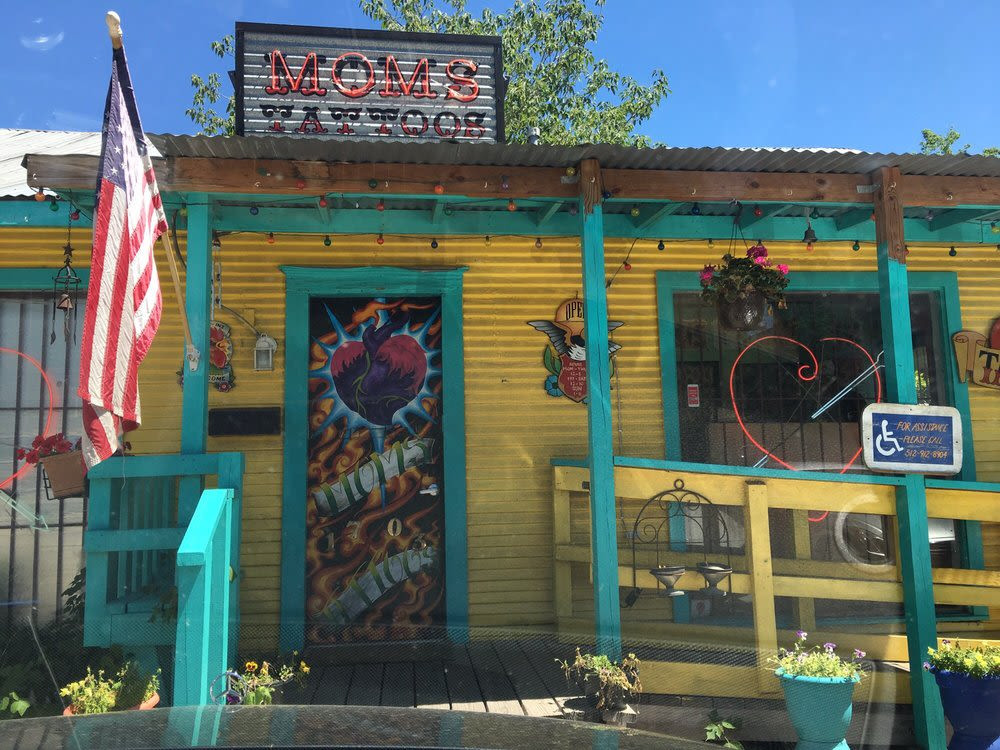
866,75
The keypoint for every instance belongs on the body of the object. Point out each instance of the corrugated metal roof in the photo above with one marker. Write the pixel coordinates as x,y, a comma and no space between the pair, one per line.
15,143
714,159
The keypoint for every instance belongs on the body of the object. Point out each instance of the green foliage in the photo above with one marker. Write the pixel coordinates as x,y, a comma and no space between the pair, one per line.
97,694
617,681
936,143
818,661
979,661
738,276
258,683
555,82
135,686
11,705
208,91
716,731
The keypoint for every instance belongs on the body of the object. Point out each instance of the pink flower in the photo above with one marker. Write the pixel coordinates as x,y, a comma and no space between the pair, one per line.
783,269
706,275
757,251
761,260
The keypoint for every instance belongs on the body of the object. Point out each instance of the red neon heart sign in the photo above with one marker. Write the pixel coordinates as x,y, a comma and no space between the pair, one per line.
805,373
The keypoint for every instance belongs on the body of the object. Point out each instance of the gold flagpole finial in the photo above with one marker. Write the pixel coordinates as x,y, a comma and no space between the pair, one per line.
114,29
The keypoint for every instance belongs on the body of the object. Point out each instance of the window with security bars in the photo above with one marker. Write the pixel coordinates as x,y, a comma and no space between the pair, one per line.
762,403
40,538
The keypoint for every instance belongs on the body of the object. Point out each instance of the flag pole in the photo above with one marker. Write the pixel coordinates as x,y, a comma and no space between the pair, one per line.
193,355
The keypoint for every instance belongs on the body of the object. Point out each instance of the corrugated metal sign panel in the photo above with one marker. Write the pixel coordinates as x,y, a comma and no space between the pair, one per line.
367,85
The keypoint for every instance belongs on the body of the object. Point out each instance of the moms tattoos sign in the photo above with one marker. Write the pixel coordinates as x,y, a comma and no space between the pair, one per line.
354,84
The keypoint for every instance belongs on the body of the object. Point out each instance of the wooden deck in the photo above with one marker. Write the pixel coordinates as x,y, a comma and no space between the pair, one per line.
497,676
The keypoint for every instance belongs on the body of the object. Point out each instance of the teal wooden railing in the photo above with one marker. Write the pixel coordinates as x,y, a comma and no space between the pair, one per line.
204,613
142,510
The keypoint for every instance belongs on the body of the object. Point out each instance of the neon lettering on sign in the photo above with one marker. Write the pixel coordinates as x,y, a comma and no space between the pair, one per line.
439,86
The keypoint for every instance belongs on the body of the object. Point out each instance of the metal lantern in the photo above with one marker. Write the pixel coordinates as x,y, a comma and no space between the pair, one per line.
65,288
263,353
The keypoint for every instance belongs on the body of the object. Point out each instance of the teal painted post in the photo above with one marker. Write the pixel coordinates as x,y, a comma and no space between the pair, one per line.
197,302
96,618
911,495
293,513
231,477
600,453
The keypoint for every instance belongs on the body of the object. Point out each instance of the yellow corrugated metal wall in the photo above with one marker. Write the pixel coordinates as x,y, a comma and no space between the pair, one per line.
513,427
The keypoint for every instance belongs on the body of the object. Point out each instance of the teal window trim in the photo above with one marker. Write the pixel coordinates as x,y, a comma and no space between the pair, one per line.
944,283
36,279
302,283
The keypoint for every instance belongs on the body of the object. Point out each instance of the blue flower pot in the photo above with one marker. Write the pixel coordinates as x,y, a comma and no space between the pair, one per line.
972,705
820,709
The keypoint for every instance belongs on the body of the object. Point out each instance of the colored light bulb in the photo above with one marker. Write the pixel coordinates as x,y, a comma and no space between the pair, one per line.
511,205
380,206
635,212
323,202
254,210
538,243
327,241
856,246
53,205
372,183
434,244
439,188
270,238
953,252
75,216
380,240
488,241
627,266
39,196
758,211
660,245
300,184
695,210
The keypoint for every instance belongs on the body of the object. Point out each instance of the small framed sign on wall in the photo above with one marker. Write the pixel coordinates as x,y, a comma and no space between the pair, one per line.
352,84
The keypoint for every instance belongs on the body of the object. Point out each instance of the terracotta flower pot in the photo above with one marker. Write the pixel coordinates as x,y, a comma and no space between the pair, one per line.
144,706
65,473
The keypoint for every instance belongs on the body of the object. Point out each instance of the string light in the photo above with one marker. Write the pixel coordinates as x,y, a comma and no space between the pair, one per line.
538,243
75,216
380,240
606,195
40,196
758,211
511,205
929,216
953,252
254,210
635,212
488,241
570,171
53,205
660,246
327,241
573,210
300,184
270,238
504,182
216,240
322,201
434,244
856,246
711,244
627,266
695,210
263,172
372,183
380,206
814,214
439,188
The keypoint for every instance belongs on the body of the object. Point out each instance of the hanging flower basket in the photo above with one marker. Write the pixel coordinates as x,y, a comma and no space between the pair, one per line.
65,473
62,462
743,313
742,286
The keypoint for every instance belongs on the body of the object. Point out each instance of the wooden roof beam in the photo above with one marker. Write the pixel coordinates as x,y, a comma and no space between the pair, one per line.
957,216
748,219
666,210
852,217
276,177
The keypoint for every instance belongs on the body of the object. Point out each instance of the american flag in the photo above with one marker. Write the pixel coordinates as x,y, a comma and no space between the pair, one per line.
123,297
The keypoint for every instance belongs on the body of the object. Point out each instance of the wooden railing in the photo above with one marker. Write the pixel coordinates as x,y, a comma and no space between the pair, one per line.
205,613
757,572
141,509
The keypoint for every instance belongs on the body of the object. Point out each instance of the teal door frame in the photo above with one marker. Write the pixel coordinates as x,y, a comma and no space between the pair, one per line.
944,283
301,284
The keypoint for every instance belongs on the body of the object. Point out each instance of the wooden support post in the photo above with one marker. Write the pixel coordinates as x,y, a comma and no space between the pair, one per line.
563,584
758,534
604,541
911,496
803,551
198,301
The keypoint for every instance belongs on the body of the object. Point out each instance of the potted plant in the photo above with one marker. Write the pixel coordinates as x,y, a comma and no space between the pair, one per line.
257,684
740,286
608,684
127,689
818,686
62,461
969,680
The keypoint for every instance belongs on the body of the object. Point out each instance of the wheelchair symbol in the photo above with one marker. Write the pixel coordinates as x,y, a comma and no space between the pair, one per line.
883,441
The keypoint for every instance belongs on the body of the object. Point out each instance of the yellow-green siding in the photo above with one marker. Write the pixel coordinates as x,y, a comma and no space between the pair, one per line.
513,428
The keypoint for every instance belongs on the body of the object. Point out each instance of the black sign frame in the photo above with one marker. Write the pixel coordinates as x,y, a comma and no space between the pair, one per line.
500,83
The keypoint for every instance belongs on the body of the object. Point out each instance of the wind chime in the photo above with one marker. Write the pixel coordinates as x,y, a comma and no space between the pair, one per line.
66,290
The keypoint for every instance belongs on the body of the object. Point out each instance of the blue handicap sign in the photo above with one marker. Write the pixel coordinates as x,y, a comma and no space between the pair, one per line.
907,438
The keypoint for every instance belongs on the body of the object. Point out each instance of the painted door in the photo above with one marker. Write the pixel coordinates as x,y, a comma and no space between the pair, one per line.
375,516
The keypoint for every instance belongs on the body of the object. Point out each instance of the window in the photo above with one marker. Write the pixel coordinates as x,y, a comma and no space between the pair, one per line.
37,564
